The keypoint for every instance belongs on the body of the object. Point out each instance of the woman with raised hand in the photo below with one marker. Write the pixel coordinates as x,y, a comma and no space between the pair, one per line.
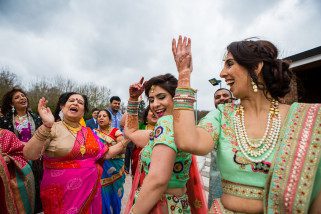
161,185
71,155
268,152
20,120
113,177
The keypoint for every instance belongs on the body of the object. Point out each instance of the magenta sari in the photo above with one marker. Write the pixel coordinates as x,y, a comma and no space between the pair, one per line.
71,184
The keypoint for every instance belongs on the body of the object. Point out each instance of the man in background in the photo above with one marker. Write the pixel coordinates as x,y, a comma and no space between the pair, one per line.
92,123
115,112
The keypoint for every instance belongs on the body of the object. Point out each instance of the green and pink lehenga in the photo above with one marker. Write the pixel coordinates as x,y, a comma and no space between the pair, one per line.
289,180
17,190
71,184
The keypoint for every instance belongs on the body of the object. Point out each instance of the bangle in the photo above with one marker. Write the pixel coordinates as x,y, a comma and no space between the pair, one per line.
184,99
123,144
132,107
48,127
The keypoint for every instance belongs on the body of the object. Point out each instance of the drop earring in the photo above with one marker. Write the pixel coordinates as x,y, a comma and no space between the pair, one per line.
254,86
12,109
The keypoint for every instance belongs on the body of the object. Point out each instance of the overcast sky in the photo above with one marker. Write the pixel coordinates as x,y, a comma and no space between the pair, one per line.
114,42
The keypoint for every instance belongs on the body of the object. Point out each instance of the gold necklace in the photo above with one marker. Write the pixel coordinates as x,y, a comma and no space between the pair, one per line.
22,118
73,131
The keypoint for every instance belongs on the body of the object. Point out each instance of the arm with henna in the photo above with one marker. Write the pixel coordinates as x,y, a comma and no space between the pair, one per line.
188,137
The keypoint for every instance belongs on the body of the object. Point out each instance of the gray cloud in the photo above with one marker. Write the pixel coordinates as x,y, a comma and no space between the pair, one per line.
113,43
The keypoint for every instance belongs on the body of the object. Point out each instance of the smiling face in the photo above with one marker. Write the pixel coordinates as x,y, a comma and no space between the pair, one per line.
74,108
19,101
160,101
151,118
222,96
236,77
103,119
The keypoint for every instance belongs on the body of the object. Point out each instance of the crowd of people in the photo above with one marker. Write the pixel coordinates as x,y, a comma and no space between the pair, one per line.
266,154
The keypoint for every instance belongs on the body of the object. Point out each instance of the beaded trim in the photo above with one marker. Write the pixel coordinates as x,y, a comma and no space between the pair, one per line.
243,191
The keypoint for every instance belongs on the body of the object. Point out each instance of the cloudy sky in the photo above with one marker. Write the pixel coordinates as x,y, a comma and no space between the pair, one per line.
114,42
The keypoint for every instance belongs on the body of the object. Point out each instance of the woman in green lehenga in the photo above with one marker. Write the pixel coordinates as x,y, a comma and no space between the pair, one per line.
268,152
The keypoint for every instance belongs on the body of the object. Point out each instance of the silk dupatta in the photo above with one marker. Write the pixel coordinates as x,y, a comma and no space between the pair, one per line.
293,172
17,186
71,184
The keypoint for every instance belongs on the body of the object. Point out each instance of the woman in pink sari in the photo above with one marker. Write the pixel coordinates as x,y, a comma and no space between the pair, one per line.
71,154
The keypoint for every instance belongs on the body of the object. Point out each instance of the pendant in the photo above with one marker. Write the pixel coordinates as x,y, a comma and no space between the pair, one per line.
82,150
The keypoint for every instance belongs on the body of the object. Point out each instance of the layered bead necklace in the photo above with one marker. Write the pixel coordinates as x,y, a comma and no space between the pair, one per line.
258,151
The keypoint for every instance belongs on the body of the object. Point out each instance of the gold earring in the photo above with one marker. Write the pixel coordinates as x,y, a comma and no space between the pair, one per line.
254,86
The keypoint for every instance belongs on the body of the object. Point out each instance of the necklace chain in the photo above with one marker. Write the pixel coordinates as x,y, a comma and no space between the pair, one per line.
262,149
73,131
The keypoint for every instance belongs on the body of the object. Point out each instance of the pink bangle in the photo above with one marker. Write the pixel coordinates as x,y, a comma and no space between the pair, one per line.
48,127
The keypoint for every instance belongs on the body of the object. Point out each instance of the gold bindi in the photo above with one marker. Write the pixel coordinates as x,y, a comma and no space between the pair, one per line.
152,89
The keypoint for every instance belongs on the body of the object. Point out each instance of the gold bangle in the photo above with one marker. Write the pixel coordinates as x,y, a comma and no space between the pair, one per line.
123,144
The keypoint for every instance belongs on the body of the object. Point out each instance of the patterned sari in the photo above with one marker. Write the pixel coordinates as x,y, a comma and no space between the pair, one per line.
17,193
71,184
113,177
295,179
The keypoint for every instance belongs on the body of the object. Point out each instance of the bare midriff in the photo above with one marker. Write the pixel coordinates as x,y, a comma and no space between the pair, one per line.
176,191
243,205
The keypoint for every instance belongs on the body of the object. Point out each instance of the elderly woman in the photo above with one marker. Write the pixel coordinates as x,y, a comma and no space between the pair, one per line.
71,154
18,119
268,152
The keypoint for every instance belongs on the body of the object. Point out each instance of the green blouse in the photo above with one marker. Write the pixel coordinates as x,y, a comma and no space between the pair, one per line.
163,134
234,167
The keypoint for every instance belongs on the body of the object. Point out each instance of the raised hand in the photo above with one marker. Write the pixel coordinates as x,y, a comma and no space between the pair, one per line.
182,54
45,113
136,89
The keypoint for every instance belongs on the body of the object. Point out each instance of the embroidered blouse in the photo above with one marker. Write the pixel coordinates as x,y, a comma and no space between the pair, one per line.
163,134
233,165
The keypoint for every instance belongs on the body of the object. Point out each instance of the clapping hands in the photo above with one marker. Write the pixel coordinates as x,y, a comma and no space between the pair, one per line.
45,113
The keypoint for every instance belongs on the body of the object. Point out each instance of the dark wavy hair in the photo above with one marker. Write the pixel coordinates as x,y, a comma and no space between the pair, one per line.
7,100
63,98
276,73
167,81
107,112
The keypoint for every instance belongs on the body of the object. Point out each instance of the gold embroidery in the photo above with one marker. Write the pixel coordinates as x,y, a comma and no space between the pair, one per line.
243,191
113,178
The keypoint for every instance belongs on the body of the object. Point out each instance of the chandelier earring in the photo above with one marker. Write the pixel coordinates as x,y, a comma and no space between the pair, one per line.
13,109
254,86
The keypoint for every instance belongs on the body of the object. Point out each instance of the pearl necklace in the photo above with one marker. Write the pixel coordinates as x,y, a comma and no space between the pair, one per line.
261,150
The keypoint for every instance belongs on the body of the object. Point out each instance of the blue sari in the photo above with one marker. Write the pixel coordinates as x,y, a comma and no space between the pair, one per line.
113,177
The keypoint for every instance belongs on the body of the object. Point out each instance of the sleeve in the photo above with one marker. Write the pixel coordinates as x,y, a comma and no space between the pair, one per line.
212,124
164,133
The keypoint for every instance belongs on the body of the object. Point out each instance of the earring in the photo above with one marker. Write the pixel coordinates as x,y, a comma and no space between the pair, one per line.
12,109
254,86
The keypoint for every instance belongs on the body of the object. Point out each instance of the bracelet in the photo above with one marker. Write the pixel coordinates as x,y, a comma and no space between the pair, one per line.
41,134
184,99
48,127
132,107
123,144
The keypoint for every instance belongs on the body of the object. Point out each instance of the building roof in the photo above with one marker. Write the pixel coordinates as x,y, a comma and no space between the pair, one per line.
310,58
